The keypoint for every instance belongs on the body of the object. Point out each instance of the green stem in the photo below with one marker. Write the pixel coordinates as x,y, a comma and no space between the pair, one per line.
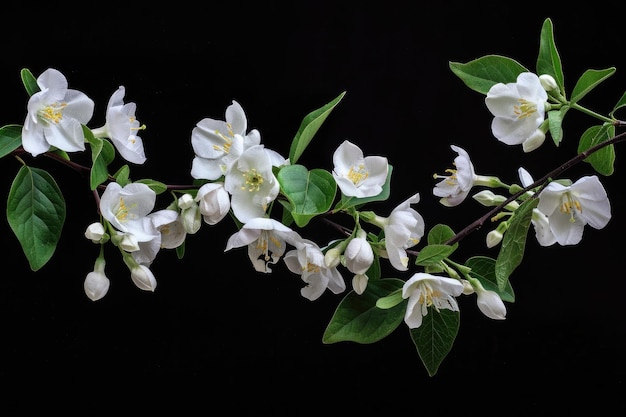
592,113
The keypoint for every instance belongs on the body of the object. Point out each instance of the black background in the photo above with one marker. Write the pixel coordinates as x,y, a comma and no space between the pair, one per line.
215,335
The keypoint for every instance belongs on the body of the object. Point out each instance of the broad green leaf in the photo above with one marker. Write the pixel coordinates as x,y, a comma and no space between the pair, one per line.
36,213
29,81
588,81
440,234
482,73
347,202
514,242
357,319
309,127
435,337
10,139
433,254
310,192
483,269
620,103
602,160
548,60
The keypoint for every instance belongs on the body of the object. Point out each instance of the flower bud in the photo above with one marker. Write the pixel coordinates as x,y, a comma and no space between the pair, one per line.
214,202
185,201
143,278
128,242
548,82
358,255
95,232
96,284
332,257
494,238
534,141
359,283
191,218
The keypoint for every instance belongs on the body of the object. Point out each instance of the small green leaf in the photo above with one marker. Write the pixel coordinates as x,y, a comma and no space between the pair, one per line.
514,242
309,127
588,81
433,254
357,319
440,234
29,81
122,175
157,186
602,160
555,124
548,60
435,337
482,73
310,192
36,213
10,139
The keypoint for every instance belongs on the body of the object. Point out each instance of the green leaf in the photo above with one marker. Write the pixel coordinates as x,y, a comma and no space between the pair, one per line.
29,81
357,319
100,158
157,186
482,73
309,127
602,160
555,124
483,269
435,337
433,254
548,60
620,103
588,81
10,139
440,234
36,213
122,175
514,242
310,192
347,202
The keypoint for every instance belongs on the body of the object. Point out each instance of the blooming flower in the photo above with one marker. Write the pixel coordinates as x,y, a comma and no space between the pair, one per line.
266,239
217,144
307,260
358,176
252,184
425,290
570,208
519,110
121,127
213,201
454,188
127,207
55,116
403,229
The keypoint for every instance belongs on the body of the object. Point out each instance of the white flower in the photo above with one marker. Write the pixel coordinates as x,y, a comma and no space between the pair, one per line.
266,239
121,127
425,290
126,207
570,208
359,254
307,260
96,283
518,109
455,187
252,184
358,176
214,202
403,229
95,232
172,230
143,278
190,215
217,144
55,116
540,221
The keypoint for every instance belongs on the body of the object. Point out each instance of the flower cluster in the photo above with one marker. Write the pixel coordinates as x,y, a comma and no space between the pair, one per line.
271,199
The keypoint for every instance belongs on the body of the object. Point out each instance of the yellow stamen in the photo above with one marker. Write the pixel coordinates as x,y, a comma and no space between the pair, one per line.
525,108
253,180
358,174
53,113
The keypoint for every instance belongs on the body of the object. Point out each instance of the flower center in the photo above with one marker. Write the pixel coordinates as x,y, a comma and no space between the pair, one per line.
569,205
228,139
524,109
357,174
449,179
53,113
253,180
